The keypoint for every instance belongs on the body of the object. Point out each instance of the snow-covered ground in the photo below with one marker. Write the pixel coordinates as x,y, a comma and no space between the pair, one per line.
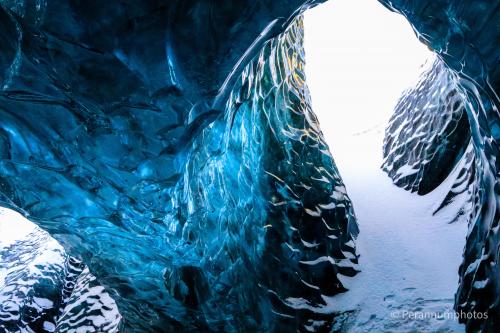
409,258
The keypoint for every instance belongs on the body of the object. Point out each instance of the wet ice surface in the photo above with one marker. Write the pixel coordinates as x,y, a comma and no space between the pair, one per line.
409,258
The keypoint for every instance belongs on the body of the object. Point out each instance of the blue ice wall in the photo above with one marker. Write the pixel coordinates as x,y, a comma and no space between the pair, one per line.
114,114
265,206
198,208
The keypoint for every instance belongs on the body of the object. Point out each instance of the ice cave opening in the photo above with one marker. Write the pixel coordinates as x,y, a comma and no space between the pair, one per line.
360,58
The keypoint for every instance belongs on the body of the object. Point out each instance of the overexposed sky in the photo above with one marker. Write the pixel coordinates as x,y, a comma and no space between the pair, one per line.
13,226
359,58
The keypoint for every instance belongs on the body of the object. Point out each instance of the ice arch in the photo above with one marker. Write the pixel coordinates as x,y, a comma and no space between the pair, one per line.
171,146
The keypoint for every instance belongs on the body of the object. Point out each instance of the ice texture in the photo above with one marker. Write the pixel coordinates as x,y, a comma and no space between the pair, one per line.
428,132
194,214
42,289
428,137
170,145
264,203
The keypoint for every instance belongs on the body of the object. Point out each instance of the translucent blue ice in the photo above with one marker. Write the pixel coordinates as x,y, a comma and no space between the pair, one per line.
171,146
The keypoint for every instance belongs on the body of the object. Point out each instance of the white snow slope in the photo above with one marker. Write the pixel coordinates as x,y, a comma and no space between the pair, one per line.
409,258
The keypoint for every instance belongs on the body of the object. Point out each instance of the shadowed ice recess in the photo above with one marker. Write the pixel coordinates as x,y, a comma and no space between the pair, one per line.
171,149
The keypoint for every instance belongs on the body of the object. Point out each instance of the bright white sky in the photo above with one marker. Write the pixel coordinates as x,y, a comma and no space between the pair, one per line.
359,58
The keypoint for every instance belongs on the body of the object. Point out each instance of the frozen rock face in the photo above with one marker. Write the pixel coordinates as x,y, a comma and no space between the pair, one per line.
464,36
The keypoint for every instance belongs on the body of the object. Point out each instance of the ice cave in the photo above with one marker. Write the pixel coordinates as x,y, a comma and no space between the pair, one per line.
174,166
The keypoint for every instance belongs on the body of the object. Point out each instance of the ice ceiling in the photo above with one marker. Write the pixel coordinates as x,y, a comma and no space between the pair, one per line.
171,146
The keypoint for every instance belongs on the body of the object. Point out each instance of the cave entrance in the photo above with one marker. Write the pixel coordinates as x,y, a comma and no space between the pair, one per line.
360,57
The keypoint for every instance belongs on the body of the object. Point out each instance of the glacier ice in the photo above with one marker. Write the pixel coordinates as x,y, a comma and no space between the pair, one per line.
42,289
171,146
428,136
193,218
268,158
428,132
